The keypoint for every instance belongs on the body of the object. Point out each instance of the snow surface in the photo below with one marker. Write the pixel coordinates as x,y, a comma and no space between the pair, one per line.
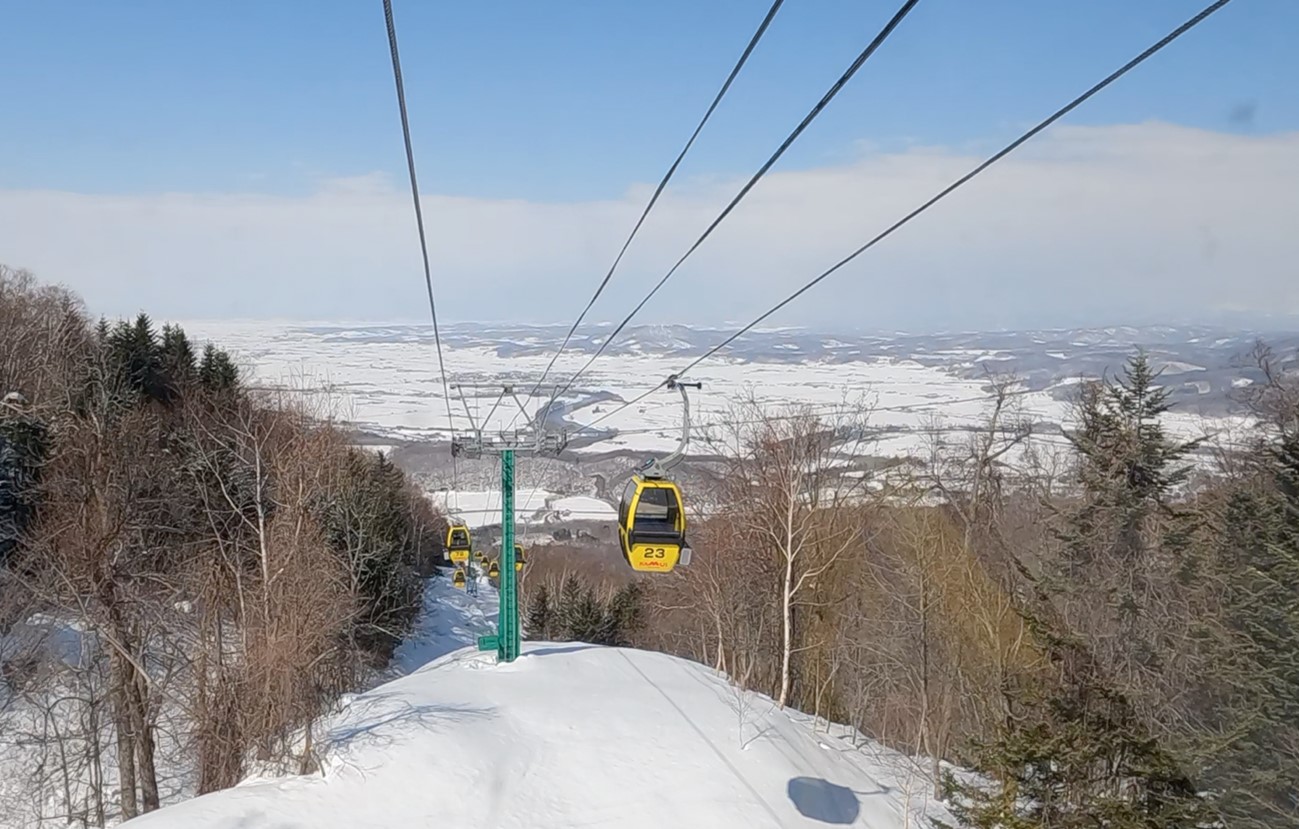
450,619
1178,367
584,507
569,735
48,718
385,448
482,508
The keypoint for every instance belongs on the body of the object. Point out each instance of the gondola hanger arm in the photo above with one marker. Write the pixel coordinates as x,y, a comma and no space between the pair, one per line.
659,467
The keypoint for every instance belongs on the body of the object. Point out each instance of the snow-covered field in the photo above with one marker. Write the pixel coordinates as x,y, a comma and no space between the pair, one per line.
533,507
389,385
480,508
392,387
585,508
385,380
570,735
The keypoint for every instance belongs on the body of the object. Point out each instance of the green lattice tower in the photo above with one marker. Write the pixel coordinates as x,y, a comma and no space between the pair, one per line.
506,640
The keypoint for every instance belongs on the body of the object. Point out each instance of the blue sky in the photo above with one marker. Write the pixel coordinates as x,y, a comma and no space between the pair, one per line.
576,101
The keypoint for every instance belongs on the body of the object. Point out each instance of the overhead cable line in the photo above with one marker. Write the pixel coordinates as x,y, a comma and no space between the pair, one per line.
900,407
1009,148
762,171
1005,151
658,191
419,221
819,413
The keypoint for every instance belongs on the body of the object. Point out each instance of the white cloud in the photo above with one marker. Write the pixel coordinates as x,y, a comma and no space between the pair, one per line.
1087,223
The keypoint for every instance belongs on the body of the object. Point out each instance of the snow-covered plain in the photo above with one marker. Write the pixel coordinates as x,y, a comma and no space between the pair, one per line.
913,400
584,507
389,384
570,735
481,508
533,507
392,386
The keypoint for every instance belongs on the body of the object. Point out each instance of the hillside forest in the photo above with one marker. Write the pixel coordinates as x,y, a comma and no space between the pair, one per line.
190,572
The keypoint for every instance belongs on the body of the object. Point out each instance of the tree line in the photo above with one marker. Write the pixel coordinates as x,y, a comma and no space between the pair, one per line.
191,572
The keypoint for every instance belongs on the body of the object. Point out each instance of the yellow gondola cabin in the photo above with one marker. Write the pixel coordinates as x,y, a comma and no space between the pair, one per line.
458,543
652,525
493,569
519,558
458,579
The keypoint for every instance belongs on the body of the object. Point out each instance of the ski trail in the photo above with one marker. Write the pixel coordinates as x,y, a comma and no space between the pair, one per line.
744,781
449,619
776,732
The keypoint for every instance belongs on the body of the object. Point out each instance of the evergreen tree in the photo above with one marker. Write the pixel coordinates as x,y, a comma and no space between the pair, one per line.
1128,466
538,619
135,358
1074,752
586,617
368,524
1253,690
178,364
1126,527
565,607
24,447
207,367
579,614
12,518
623,617
1075,760
216,371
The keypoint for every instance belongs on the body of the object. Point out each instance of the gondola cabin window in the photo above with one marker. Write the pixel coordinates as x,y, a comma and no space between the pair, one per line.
628,493
656,508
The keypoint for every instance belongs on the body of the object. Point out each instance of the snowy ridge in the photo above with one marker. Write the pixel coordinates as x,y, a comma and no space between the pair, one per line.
569,735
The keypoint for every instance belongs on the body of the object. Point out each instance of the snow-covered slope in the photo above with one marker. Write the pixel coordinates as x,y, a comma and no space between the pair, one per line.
450,620
569,735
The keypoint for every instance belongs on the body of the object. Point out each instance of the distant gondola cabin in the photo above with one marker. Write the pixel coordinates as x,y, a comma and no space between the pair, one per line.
458,543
